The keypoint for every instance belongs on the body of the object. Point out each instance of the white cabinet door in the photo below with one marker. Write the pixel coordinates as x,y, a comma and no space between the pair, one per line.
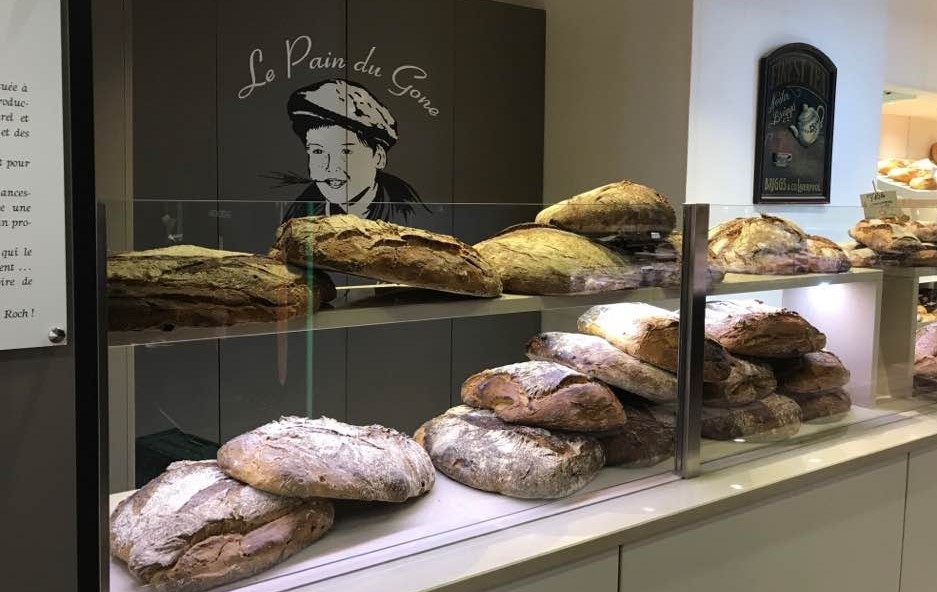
843,536
919,569
596,574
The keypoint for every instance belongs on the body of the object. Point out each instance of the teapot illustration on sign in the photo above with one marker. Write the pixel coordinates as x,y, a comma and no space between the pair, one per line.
809,124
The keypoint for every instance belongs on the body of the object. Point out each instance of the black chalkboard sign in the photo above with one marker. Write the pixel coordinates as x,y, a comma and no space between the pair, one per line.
794,141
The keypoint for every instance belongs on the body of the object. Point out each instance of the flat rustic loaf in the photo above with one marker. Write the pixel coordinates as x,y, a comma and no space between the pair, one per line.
763,244
196,287
886,236
192,528
748,382
825,256
477,449
650,334
860,256
816,372
752,328
646,439
536,259
825,407
599,359
544,394
625,209
926,232
302,457
769,419
388,252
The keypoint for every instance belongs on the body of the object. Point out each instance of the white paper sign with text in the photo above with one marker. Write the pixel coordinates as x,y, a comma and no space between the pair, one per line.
33,297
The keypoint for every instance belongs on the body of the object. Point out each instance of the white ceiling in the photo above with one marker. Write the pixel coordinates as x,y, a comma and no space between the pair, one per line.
924,104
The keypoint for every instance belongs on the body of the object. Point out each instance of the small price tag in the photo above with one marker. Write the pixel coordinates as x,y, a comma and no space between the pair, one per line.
881,204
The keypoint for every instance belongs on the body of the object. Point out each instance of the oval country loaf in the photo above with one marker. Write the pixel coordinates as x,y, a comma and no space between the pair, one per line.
189,286
752,328
476,448
815,372
859,255
536,259
387,252
544,394
762,245
301,457
748,382
886,236
599,359
646,439
825,256
650,334
770,419
825,407
193,528
926,232
625,209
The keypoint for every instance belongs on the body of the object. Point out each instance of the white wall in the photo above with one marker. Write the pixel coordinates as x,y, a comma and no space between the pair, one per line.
729,37
912,44
907,137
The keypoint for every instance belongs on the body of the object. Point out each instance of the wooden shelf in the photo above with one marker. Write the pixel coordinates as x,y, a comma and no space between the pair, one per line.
362,306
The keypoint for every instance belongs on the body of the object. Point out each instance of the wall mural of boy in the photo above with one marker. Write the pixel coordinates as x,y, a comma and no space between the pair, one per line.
347,134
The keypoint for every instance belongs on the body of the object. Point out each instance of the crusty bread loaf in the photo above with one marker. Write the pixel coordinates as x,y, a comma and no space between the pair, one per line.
545,394
301,457
596,357
748,382
886,236
476,448
387,252
537,259
189,286
926,257
826,407
926,232
772,418
752,328
650,334
825,256
763,244
860,255
625,209
193,528
815,372
646,439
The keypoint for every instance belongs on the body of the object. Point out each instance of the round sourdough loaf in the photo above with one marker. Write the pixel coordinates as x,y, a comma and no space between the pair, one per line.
193,528
476,448
545,394
762,244
193,286
301,457
387,252
625,209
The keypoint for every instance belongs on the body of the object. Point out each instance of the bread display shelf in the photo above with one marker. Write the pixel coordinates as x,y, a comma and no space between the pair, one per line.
360,306
365,536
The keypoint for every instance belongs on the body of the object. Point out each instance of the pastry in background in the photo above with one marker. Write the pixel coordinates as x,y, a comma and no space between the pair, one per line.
902,174
924,183
885,166
626,209
476,448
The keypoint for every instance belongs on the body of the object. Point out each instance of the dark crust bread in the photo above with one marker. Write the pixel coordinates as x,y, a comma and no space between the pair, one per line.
752,328
301,457
186,286
749,381
828,406
813,373
825,256
388,252
625,209
886,236
545,394
193,528
476,448
772,418
645,440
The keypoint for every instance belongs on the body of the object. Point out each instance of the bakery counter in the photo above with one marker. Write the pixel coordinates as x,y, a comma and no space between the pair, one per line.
377,305
458,538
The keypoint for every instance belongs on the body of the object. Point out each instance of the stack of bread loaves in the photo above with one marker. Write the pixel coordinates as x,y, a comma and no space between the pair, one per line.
896,240
207,523
614,237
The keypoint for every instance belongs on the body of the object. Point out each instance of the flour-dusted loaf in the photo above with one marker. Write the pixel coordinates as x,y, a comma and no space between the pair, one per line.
748,382
646,439
189,286
387,252
762,245
545,394
650,334
476,448
752,328
599,359
830,406
860,255
625,209
926,232
301,457
772,418
825,256
886,236
537,259
193,528
815,372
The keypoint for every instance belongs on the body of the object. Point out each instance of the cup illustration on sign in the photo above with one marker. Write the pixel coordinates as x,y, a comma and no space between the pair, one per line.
809,124
346,133
782,159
